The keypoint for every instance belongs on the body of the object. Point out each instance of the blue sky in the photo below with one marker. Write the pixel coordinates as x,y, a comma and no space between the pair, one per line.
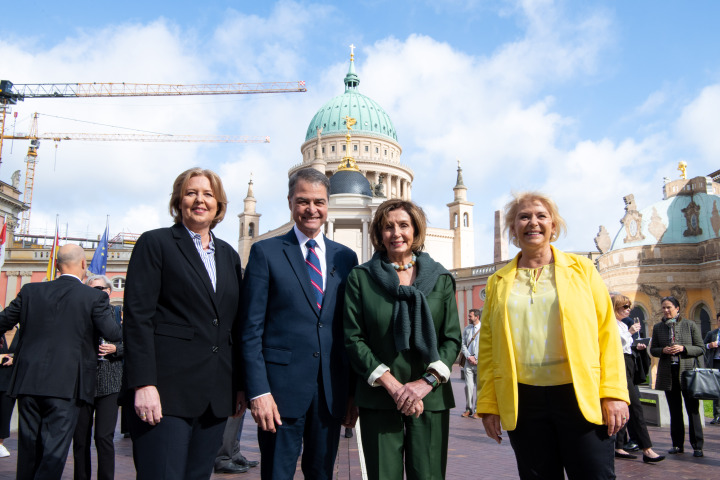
587,101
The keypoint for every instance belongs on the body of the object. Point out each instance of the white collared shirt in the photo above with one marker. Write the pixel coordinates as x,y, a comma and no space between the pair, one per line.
319,249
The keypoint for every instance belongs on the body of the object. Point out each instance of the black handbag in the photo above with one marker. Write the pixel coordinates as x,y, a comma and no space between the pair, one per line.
701,383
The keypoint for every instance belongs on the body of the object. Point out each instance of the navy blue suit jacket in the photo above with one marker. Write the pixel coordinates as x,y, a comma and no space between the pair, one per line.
287,340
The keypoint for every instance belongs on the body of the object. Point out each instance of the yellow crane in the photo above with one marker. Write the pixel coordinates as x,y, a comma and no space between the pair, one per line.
11,93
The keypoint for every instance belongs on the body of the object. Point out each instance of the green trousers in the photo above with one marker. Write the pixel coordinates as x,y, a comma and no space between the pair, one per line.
387,436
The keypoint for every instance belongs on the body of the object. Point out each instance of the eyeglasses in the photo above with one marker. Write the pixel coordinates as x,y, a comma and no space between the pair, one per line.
98,287
626,307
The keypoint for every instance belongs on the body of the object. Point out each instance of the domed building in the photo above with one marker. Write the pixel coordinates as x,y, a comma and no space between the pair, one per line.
353,141
671,247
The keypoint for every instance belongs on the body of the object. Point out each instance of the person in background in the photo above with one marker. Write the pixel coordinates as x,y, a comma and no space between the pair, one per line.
105,407
469,350
7,403
56,361
402,336
712,360
550,365
229,459
677,343
182,360
636,424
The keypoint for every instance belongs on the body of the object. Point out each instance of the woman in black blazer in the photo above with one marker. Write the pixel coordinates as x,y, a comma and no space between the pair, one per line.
181,307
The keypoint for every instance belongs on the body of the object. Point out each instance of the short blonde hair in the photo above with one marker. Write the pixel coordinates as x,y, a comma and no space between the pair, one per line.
180,185
512,207
417,216
619,300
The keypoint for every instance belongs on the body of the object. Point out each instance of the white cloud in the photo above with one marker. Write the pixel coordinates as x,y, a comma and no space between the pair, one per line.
697,125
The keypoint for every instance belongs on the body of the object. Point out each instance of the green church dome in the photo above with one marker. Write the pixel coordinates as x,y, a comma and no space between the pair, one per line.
372,120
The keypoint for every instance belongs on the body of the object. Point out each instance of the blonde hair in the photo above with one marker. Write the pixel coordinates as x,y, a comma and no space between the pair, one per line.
513,206
619,300
180,185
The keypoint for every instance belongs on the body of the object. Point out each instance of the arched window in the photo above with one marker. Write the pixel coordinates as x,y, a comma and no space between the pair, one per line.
640,313
701,315
466,220
118,283
251,230
455,220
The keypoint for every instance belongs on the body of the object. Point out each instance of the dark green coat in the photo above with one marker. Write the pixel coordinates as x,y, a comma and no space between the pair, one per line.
369,340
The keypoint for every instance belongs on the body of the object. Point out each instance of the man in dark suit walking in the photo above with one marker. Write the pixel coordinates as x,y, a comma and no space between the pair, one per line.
55,361
298,377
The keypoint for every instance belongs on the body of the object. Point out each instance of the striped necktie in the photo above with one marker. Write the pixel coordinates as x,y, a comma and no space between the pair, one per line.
312,262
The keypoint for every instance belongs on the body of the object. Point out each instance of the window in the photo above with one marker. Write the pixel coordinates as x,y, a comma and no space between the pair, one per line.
251,230
367,148
354,148
386,152
466,220
323,149
455,220
377,150
118,283
344,147
332,148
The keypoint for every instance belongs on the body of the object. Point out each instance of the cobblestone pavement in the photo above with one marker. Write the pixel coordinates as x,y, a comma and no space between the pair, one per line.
472,455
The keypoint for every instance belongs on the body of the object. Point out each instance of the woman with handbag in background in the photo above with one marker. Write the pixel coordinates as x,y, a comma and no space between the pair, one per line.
636,425
677,343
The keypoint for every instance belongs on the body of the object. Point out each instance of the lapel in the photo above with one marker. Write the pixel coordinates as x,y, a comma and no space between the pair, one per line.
293,254
188,250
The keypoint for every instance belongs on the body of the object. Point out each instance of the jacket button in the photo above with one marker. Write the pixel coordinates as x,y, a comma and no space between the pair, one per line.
215,348
215,322
320,325
316,354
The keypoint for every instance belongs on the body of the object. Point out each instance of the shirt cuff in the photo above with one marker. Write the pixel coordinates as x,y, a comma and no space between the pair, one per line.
262,395
441,370
377,373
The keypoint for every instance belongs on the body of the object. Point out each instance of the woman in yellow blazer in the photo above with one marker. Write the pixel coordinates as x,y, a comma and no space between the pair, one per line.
550,364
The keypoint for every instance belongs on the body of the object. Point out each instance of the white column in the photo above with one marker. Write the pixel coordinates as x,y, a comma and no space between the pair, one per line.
25,277
365,242
468,299
11,291
461,307
331,229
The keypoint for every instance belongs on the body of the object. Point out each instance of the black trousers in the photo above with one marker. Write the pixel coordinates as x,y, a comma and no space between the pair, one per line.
6,408
177,448
105,410
636,423
692,406
552,435
716,403
46,426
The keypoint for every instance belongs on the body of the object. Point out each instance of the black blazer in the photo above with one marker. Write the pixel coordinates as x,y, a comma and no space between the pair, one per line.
56,352
177,330
286,339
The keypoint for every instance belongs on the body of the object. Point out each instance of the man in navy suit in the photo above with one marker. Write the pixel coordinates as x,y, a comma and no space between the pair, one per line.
298,377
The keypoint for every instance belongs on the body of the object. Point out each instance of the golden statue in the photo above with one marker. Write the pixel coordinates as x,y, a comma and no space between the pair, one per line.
682,166
348,162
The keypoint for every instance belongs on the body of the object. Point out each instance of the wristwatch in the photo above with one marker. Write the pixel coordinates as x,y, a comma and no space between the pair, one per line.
431,380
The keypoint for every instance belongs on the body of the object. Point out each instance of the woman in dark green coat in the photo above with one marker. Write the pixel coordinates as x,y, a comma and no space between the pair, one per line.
402,335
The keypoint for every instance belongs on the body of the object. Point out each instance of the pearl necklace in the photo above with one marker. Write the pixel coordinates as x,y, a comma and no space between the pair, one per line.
407,266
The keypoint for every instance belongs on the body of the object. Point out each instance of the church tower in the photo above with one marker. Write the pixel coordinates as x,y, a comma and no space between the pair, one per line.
461,223
249,224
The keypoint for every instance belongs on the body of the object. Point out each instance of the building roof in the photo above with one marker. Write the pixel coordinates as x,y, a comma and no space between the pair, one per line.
372,120
349,181
671,221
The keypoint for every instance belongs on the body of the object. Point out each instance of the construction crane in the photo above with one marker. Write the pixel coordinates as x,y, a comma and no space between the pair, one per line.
11,93
34,137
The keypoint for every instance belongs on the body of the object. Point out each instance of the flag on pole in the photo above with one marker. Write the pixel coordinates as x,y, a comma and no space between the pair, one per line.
52,262
3,237
98,264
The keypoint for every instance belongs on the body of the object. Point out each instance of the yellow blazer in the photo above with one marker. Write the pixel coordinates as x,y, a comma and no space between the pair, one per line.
589,329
